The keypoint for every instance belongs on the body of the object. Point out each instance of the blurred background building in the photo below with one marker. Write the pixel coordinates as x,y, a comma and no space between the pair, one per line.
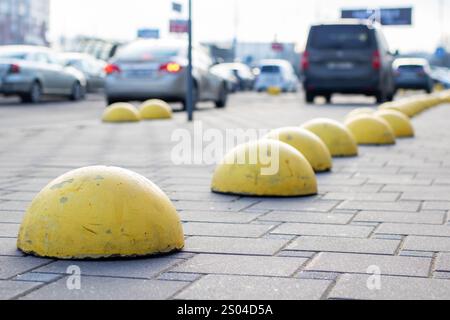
24,21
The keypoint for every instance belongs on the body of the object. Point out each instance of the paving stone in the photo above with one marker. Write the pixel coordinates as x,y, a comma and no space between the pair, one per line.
349,189
234,245
226,230
8,247
103,288
324,230
9,230
142,268
360,263
203,196
37,277
436,205
19,196
296,254
381,206
242,265
215,206
307,217
392,288
296,205
318,275
11,217
13,266
443,262
426,195
421,254
14,206
362,196
433,244
400,217
13,289
227,287
219,217
350,245
178,276
414,229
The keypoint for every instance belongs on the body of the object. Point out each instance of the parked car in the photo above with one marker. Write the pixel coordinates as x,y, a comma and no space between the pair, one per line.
276,73
228,75
441,76
92,68
348,57
31,72
413,73
243,73
150,68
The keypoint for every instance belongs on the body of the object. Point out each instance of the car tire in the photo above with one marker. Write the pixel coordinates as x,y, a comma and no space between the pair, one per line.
34,95
223,98
381,97
328,98
77,92
309,97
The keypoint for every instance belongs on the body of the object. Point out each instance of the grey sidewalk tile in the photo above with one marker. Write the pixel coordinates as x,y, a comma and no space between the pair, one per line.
9,230
37,277
141,268
407,206
225,287
312,205
307,217
324,230
348,245
13,266
349,189
234,245
360,263
362,196
218,217
392,288
433,244
235,206
296,254
420,254
20,206
242,265
425,195
11,217
436,205
414,229
8,247
443,262
200,196
400,217
226,230
102,288
12,289
178,276
318,275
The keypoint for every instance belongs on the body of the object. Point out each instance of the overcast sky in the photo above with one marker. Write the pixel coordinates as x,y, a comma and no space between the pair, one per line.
257,20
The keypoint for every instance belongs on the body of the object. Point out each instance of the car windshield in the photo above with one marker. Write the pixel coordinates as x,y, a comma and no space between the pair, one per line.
411,68
340,37
13,55
147,52
270,69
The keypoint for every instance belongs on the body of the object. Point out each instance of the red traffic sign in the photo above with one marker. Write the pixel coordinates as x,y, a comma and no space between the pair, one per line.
278,47
179,26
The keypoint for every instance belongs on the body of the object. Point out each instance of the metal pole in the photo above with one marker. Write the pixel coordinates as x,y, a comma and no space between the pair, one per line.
190,80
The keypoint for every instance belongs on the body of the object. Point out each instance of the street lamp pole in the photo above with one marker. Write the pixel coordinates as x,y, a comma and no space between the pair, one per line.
190,80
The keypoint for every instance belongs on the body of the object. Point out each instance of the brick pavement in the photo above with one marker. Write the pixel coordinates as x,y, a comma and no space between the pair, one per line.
387,208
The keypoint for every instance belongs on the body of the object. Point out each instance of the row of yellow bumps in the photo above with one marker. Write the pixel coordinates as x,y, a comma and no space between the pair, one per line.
108,212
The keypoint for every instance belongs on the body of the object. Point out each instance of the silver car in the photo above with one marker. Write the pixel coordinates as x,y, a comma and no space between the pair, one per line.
92,69
147,69
31,72
277,73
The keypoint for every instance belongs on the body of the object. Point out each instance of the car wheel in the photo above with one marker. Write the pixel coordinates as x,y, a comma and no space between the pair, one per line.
77,92
328,98
34,95
309,97
223,98
381,97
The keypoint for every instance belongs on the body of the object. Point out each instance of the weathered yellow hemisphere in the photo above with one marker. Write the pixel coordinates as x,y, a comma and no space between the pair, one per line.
339,140
400,123
310,145
265,168
371,130
121,112
155,109
275,91
100,212
360,111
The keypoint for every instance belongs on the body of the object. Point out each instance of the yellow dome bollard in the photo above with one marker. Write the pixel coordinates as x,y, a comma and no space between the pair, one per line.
155,109
371,130
265,168
121,112
359,111
100,212
308,144
339,140
274,91
400,123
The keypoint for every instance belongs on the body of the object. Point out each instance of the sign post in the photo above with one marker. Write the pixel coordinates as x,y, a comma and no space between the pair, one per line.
190,80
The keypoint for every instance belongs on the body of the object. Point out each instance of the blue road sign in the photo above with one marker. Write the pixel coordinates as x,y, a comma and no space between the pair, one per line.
177,7
148,33
387,16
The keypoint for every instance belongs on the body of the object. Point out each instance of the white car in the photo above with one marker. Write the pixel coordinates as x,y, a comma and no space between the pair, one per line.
276,73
